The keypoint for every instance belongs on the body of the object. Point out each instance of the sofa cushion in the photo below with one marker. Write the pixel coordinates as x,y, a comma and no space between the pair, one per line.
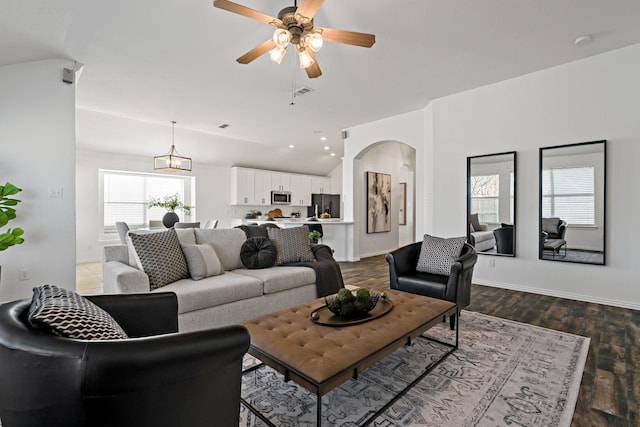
202,261
258,252
67,314
292,244
160,256
213,291
186,236
438,254
226,242
281,278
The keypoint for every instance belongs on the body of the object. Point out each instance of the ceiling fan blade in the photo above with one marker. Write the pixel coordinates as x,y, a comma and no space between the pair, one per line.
309,8
261,49
348,37
313,70
248,12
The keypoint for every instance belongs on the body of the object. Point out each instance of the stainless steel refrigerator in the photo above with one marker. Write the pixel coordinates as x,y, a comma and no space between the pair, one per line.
329,203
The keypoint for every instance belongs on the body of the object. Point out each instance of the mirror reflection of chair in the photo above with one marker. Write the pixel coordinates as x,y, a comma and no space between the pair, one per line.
553,230
211,223
455,287
504,239
123,229
157,378
186,225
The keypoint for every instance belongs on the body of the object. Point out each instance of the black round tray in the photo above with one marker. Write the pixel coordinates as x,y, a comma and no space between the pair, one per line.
326,317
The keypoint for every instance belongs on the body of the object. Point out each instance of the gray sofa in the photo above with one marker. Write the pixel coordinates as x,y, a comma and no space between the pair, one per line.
235,296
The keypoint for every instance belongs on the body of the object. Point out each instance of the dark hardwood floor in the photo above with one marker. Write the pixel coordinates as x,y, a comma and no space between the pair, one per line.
610,389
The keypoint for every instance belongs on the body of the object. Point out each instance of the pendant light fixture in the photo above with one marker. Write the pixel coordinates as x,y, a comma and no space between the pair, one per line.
172,162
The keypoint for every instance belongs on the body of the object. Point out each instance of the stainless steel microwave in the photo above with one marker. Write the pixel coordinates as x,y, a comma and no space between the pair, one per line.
280,197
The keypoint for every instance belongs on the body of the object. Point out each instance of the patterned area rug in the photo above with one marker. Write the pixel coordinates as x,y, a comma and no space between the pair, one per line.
503,373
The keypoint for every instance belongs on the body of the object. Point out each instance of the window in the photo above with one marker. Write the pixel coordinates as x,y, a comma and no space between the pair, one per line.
124,196
569,193
485,200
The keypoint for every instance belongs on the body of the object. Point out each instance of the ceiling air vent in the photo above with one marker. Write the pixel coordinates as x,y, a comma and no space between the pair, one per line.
302,91
224,126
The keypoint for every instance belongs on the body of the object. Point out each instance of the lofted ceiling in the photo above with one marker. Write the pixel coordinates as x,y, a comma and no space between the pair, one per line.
157,61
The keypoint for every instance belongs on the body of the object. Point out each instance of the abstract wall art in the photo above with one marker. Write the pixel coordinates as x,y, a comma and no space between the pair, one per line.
378,202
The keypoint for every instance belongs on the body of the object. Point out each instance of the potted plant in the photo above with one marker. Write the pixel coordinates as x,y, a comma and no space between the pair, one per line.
10,237
314,236
170,203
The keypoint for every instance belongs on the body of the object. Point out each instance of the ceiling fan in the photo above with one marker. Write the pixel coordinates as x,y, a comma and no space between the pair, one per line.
294,25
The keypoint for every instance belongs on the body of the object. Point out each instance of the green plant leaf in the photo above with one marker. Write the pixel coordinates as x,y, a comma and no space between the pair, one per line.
10,189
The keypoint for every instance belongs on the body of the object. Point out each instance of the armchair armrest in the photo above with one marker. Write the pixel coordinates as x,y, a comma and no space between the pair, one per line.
459,284
402,261
141,314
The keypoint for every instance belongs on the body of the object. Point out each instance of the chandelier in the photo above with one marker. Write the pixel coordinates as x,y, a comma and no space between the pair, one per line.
173,161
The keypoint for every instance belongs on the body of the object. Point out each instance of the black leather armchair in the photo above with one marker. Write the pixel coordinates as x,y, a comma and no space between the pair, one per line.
455,288
156,378
504,239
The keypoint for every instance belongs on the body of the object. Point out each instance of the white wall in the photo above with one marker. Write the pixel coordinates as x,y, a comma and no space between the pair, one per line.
592,99
407,129
37,133
212,196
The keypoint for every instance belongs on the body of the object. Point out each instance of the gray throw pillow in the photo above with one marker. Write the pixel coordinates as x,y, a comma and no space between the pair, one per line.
475,223
65,313
438,254
160,257
202,261
258,252
292,244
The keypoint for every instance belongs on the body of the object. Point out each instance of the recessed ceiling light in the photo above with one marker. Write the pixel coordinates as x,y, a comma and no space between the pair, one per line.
333,154
292,146
582,40
323,138
326,147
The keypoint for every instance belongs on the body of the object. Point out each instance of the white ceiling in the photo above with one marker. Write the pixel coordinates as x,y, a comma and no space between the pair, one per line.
157,61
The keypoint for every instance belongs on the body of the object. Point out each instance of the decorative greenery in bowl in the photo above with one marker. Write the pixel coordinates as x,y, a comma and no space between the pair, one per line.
314,236
351,304
170,203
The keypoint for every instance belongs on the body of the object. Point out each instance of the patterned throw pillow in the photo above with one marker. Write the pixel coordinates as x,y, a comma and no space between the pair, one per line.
160,256
438,254
292,244
67,314
258,252
202,261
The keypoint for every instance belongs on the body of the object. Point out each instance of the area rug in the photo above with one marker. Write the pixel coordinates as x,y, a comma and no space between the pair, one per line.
503,373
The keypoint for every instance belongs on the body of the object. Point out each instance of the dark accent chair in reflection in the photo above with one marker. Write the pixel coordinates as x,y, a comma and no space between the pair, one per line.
553,228
456,287
156,378
504,239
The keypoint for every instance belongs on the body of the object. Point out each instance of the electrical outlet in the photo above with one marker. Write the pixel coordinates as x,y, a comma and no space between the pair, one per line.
56,193
23,275
491,263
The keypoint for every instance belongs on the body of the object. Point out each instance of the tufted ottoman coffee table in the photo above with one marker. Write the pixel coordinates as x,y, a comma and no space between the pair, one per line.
320,358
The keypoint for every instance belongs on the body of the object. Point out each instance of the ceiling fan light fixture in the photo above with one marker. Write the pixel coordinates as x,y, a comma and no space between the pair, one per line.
281,37
305,59
277,53
314,41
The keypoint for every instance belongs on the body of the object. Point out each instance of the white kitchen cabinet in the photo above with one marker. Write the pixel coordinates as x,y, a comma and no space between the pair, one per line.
320,185
280,181
242,186
262,187
300,190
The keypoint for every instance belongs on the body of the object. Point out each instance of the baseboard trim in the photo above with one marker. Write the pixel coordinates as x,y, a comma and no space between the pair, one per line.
558,294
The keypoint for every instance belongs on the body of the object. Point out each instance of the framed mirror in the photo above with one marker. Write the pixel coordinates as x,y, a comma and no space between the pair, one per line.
491,203
572,203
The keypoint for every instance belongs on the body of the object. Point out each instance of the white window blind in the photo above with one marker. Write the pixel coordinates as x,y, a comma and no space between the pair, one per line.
485,200
125,194
569,193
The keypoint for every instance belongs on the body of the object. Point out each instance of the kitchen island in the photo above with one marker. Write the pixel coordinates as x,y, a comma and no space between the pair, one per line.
334,230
